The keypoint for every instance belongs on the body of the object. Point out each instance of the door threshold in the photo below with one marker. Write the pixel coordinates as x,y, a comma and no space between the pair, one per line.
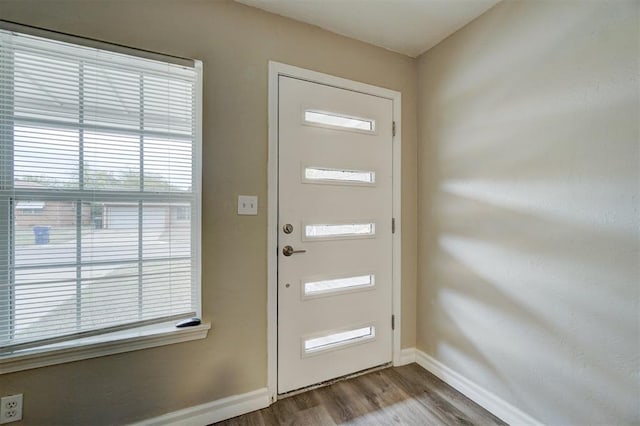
332,381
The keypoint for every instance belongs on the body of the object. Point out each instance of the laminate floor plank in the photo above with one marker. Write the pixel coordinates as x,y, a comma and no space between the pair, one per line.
314,416
396,404
254,418
454,405
340,403
268,418
285,410
407,395
422,391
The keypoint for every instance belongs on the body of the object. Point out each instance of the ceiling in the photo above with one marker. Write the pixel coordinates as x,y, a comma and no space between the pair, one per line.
405,26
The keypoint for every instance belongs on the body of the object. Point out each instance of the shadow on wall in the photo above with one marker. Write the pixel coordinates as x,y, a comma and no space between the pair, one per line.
530,241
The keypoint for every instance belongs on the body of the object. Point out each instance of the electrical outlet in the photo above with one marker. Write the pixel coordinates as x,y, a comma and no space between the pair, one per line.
10,408
247,205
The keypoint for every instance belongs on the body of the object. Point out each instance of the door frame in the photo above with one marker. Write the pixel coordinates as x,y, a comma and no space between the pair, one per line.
276,70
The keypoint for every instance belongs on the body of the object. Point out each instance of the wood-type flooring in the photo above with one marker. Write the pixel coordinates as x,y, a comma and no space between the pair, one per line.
407,395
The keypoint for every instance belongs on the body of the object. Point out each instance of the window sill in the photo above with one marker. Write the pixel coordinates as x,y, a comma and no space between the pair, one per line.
97,346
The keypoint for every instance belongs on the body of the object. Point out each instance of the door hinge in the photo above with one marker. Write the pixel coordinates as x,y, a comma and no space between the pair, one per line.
393,322
393,225
393,128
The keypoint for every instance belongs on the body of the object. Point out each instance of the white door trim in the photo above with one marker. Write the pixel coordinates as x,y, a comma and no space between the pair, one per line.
277,69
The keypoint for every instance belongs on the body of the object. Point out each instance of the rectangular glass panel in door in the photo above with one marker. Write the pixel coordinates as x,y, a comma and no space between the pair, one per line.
336,285
340,230
338,121
339,339
327,175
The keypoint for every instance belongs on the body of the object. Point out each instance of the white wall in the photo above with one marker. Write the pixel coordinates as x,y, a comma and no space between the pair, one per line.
528,207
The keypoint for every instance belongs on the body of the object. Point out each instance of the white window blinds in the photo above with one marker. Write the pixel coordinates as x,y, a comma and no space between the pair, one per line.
99,190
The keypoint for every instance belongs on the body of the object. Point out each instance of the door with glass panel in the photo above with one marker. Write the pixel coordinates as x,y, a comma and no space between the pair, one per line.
334,232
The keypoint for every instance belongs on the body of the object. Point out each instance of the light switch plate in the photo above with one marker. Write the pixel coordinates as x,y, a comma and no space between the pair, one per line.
247,205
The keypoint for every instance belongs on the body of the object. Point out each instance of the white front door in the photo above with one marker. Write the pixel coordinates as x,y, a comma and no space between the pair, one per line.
334,232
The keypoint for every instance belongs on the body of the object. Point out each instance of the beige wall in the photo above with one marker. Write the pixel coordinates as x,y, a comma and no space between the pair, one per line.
529,207
528,211
235,42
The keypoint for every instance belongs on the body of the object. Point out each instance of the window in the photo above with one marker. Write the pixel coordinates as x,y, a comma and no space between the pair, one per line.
339,339
338,285
339,230
338,121
29,207
338,176
99,152
183,213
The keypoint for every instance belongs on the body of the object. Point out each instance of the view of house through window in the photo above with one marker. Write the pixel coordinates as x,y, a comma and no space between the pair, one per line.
99,189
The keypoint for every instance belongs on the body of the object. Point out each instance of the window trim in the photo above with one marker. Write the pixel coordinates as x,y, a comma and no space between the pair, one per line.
103,345
94,43
136,338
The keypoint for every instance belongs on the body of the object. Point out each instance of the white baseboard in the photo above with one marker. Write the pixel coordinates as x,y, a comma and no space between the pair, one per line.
236,405
214,411
481,396
407,356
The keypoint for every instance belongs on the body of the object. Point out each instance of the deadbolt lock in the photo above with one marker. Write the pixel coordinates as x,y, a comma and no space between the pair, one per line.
288,228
